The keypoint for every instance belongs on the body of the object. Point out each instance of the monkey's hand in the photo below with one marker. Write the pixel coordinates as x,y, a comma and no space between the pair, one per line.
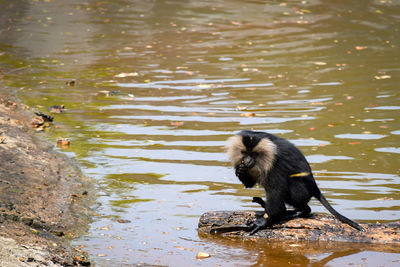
259,200
241,171
259,224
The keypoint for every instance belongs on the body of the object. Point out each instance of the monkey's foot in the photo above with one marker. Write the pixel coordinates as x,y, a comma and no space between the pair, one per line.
259,224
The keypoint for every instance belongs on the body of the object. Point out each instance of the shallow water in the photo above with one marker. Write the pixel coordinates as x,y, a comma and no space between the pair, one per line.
160,86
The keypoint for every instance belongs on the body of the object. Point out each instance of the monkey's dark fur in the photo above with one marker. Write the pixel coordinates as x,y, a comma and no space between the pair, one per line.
278,166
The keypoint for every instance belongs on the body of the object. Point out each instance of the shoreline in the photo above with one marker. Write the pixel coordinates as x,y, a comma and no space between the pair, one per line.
44,197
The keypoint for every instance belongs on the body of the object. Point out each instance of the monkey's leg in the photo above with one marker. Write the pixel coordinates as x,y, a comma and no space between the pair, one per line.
304,212
274,211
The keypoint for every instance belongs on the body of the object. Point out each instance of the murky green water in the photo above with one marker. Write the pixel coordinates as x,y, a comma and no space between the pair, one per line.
160,86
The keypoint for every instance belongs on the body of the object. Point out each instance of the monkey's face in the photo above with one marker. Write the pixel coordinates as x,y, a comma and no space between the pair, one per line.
248,160
252,155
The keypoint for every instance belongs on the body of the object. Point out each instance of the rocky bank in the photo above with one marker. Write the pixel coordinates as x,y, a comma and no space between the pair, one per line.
43,195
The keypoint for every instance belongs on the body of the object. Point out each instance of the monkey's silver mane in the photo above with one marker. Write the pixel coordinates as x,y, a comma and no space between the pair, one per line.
266,150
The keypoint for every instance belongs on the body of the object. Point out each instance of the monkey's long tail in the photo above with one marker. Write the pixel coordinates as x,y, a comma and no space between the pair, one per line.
340,217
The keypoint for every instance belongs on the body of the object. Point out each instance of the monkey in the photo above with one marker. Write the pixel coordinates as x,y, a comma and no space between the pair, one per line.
283,171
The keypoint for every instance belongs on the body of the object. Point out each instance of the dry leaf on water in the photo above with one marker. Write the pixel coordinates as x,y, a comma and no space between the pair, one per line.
202,255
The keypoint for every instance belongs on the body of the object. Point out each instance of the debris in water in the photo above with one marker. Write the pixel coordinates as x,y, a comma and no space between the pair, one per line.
63,143
125,74
56,109
123,221
202,255
71,83
248,114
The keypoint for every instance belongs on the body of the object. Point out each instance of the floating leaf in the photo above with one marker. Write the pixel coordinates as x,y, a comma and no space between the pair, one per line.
57,109
63,143
248,114
241,108
382,77
177,123
184,206
71,83
126,74
361,47
354,143
123,221
202,255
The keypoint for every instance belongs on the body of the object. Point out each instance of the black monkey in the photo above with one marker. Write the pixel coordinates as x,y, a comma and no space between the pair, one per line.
278,166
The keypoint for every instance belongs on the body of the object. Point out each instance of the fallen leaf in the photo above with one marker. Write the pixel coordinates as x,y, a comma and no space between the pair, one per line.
248,114
126,74
202,255
241,108
56,109
177,123
382,77
361,47
354,143
123,221
184,206
63,143
71,83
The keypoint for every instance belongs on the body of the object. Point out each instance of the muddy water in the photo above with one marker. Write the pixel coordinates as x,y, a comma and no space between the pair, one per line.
159,87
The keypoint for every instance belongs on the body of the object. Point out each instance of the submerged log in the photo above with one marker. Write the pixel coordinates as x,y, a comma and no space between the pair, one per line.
234,224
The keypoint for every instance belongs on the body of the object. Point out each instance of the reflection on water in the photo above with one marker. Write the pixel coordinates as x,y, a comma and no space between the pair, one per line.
161,85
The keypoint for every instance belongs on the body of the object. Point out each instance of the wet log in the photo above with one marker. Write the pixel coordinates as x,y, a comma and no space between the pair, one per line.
319,227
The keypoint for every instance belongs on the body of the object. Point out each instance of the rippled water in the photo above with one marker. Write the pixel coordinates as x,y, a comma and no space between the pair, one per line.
160,86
